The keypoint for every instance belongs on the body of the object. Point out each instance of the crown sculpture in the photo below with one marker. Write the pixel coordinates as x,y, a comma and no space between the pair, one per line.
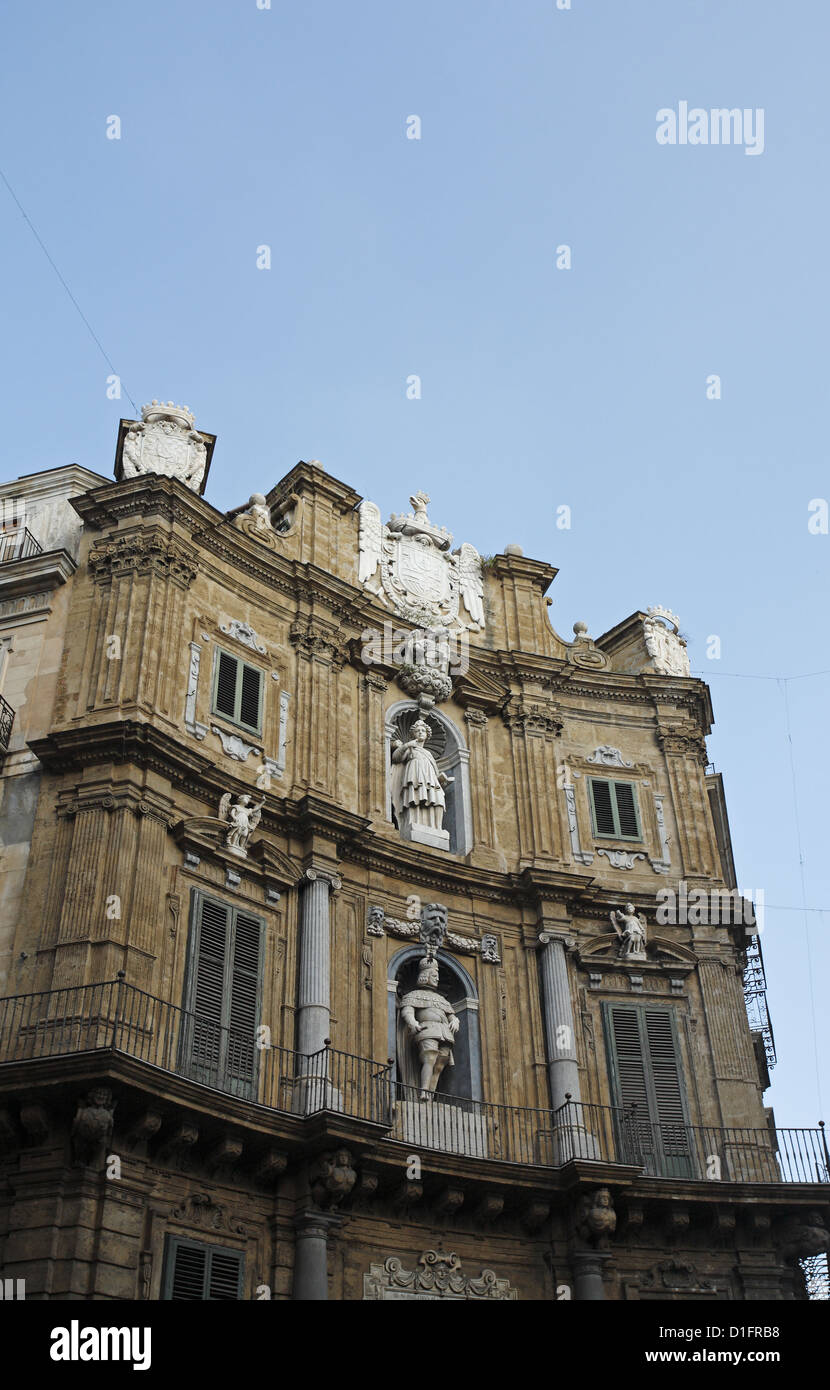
164,441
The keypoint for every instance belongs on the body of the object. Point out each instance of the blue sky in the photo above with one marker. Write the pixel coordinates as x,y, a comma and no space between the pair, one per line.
540,387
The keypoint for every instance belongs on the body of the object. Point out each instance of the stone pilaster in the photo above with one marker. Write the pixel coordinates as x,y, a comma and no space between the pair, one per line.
484,833
534,726
372,768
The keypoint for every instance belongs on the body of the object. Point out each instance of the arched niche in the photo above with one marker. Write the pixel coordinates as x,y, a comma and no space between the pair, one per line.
463,1079
453,758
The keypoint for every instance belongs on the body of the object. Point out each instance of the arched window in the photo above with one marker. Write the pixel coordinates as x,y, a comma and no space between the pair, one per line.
453,758
463,1078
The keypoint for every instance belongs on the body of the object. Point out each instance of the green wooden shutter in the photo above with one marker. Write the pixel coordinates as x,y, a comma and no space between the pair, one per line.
243,1011
224,1275
626,810
194,1272
645,1073
602,807
237,691
222,996
249,696
225,697
209,949
614,807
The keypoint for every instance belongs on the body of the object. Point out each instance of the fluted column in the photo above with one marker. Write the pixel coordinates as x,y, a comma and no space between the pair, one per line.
559,1020
314,990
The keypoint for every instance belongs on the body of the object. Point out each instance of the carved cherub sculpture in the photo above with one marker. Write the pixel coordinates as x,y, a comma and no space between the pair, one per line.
631,930
242,817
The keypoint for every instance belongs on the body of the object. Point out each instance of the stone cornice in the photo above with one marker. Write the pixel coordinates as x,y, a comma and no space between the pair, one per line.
150,495
308,479
37,574
538,573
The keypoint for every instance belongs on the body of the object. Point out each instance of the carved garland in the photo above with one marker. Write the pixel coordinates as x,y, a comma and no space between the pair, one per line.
437,1276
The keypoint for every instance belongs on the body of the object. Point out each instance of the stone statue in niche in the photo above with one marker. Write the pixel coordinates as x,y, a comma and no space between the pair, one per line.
242,818
427,1025
631,930
418,789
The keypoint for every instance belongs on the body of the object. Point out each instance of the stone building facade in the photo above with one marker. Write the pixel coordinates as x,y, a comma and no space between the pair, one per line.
309,778
39,543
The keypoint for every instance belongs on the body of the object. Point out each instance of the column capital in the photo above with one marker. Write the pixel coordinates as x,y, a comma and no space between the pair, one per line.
334,881
476,717
317,1224
547,938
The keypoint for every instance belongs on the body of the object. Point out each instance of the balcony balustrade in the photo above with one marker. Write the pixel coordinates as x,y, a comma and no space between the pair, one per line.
117,1018
6,722
18,543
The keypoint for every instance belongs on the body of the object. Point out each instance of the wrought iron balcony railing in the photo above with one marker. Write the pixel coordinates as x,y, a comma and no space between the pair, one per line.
6,722
119,1018
18,543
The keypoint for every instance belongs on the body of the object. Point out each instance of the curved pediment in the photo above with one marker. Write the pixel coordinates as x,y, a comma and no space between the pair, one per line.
659,951
205,835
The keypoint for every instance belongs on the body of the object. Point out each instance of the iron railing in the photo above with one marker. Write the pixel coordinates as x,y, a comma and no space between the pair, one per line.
6,722
18,543
118,1017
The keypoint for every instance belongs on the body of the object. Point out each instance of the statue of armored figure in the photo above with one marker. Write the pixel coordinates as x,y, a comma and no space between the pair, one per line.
418,789
427,1025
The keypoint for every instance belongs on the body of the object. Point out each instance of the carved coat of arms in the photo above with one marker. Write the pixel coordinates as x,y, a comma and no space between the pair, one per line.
164,441
420,576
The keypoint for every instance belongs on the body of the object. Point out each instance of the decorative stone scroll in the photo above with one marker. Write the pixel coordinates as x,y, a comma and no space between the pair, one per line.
580,855
583,651
255,521
233,746
663,864
606,756
428,930
621,858
194,728
438,1275
244,633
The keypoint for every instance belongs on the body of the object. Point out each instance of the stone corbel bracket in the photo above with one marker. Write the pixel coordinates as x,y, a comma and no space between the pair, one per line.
379,924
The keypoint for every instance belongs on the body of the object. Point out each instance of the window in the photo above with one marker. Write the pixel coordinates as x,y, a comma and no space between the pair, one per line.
237,691
614,809
222,996
195,1272
652,1123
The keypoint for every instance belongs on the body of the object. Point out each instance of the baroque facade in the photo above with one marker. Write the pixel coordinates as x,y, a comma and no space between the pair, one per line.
357,947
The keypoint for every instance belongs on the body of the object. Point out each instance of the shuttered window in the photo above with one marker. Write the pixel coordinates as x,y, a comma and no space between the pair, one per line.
614,809
644,1060
194,1272
222,995
237,691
